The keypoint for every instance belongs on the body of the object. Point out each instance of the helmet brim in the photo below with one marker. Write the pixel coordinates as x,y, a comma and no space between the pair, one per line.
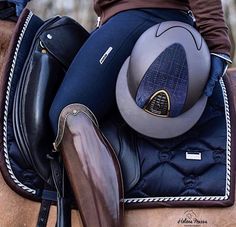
148,124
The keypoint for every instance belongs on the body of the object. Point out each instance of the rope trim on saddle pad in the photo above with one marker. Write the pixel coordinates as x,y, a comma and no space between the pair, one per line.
5,144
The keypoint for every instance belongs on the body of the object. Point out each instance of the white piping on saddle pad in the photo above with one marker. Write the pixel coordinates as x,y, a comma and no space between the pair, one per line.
228,169
6,155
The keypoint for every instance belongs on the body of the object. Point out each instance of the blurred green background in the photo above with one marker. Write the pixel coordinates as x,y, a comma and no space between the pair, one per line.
82,11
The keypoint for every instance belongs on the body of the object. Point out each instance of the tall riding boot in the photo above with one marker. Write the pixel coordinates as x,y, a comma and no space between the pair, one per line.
92,167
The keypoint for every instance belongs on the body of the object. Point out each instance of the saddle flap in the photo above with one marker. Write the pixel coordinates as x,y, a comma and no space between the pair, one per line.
31,102
124,144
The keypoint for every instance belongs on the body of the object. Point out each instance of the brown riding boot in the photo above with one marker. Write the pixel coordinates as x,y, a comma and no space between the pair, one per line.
92,167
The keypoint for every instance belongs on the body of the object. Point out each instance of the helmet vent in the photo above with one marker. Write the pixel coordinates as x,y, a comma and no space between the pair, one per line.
167,79
159,104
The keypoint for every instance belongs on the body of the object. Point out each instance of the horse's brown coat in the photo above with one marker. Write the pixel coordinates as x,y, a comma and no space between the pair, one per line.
16,211
6,31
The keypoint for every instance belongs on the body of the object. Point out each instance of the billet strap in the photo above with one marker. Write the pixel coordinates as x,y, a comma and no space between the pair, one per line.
43,213
56,169
63,212
48,197
63,198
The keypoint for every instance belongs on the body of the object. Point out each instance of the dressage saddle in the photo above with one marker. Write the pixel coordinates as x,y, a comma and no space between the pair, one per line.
195,169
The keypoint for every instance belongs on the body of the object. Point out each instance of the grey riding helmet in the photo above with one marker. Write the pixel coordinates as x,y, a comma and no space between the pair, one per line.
159,89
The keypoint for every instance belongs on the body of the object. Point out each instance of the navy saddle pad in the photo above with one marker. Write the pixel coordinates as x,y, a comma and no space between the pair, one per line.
194,169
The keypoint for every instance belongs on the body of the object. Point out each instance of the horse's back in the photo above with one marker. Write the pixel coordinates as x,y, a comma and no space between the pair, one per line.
6,31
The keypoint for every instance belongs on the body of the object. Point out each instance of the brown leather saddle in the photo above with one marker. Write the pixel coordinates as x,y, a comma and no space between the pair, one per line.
180,172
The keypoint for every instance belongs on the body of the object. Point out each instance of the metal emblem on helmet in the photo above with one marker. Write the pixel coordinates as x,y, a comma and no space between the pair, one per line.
159,104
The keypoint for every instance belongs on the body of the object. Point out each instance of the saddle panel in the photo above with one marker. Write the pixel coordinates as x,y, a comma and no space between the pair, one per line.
30,120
